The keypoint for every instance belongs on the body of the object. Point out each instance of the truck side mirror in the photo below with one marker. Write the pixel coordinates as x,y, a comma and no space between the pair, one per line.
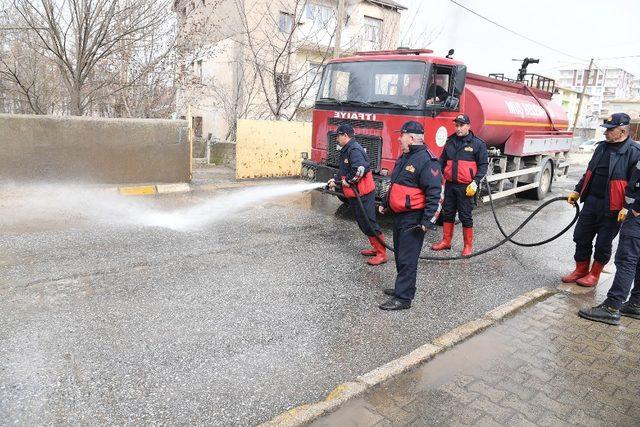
451,103
459,77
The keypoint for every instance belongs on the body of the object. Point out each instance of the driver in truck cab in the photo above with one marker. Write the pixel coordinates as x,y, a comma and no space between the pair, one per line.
355,171
437,94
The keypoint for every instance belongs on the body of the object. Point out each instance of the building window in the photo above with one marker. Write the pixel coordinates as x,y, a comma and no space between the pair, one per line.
285,23
373,31
282,84
197,70
196,122
320,15
314,77
315,71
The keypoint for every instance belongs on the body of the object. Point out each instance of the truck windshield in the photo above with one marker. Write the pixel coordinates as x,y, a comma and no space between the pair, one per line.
374,83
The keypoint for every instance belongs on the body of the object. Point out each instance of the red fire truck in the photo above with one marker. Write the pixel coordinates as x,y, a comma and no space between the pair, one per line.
376,92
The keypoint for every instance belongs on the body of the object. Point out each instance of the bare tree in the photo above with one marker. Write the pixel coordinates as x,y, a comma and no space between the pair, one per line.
82,37
27,80
144,78
261,72
416,34
277,55
204,34
28,84
275,50
238,101
233,99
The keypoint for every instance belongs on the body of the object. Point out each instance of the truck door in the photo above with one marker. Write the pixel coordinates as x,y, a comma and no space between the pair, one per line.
443,104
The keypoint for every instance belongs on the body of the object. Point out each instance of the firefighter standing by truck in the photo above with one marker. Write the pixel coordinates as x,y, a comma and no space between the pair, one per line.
414,197
627,267
355,171
464,163
627,261
602,190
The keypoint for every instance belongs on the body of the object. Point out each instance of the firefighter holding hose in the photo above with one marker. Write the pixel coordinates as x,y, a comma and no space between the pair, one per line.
355,171
602,190
414,198
628,254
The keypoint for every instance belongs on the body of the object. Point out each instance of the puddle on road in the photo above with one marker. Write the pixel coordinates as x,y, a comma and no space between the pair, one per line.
30,206
465,359
460,359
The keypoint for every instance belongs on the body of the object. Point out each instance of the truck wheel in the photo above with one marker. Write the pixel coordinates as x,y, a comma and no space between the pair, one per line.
546,180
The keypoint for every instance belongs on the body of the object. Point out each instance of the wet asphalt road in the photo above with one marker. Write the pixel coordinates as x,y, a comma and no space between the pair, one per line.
231,324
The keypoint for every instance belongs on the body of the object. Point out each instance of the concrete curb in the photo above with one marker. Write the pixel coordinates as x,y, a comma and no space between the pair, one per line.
305,414
510,307
243,184
462,332
152,190
183,187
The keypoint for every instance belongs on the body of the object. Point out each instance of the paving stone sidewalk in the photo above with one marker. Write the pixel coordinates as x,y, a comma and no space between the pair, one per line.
542,366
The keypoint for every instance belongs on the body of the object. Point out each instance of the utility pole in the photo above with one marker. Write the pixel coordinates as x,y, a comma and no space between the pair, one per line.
584,89
338,39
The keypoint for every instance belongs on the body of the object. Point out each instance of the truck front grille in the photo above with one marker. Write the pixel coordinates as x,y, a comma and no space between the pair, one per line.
371,144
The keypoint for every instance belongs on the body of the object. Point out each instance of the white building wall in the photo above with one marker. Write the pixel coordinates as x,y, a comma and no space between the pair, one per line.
221,53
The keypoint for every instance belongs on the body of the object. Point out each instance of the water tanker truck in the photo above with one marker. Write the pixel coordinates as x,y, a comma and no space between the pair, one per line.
376,92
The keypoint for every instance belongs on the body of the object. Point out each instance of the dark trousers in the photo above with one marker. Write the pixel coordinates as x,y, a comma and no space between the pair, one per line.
407,245
369,203
456,200
627,265
595,221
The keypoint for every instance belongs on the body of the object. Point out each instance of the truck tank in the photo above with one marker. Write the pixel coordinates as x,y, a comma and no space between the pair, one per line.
500,110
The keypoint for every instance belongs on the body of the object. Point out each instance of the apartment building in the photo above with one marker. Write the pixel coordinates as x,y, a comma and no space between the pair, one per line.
603,84
569,99
263,59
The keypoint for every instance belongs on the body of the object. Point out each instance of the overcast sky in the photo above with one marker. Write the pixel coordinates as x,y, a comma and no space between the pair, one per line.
579,29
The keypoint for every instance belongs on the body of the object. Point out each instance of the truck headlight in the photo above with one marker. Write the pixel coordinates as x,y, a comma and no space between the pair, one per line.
311,173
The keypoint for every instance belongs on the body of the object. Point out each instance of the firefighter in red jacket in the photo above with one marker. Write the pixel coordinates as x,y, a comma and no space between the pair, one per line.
464,163
602,190
414,198
626,283
355,171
